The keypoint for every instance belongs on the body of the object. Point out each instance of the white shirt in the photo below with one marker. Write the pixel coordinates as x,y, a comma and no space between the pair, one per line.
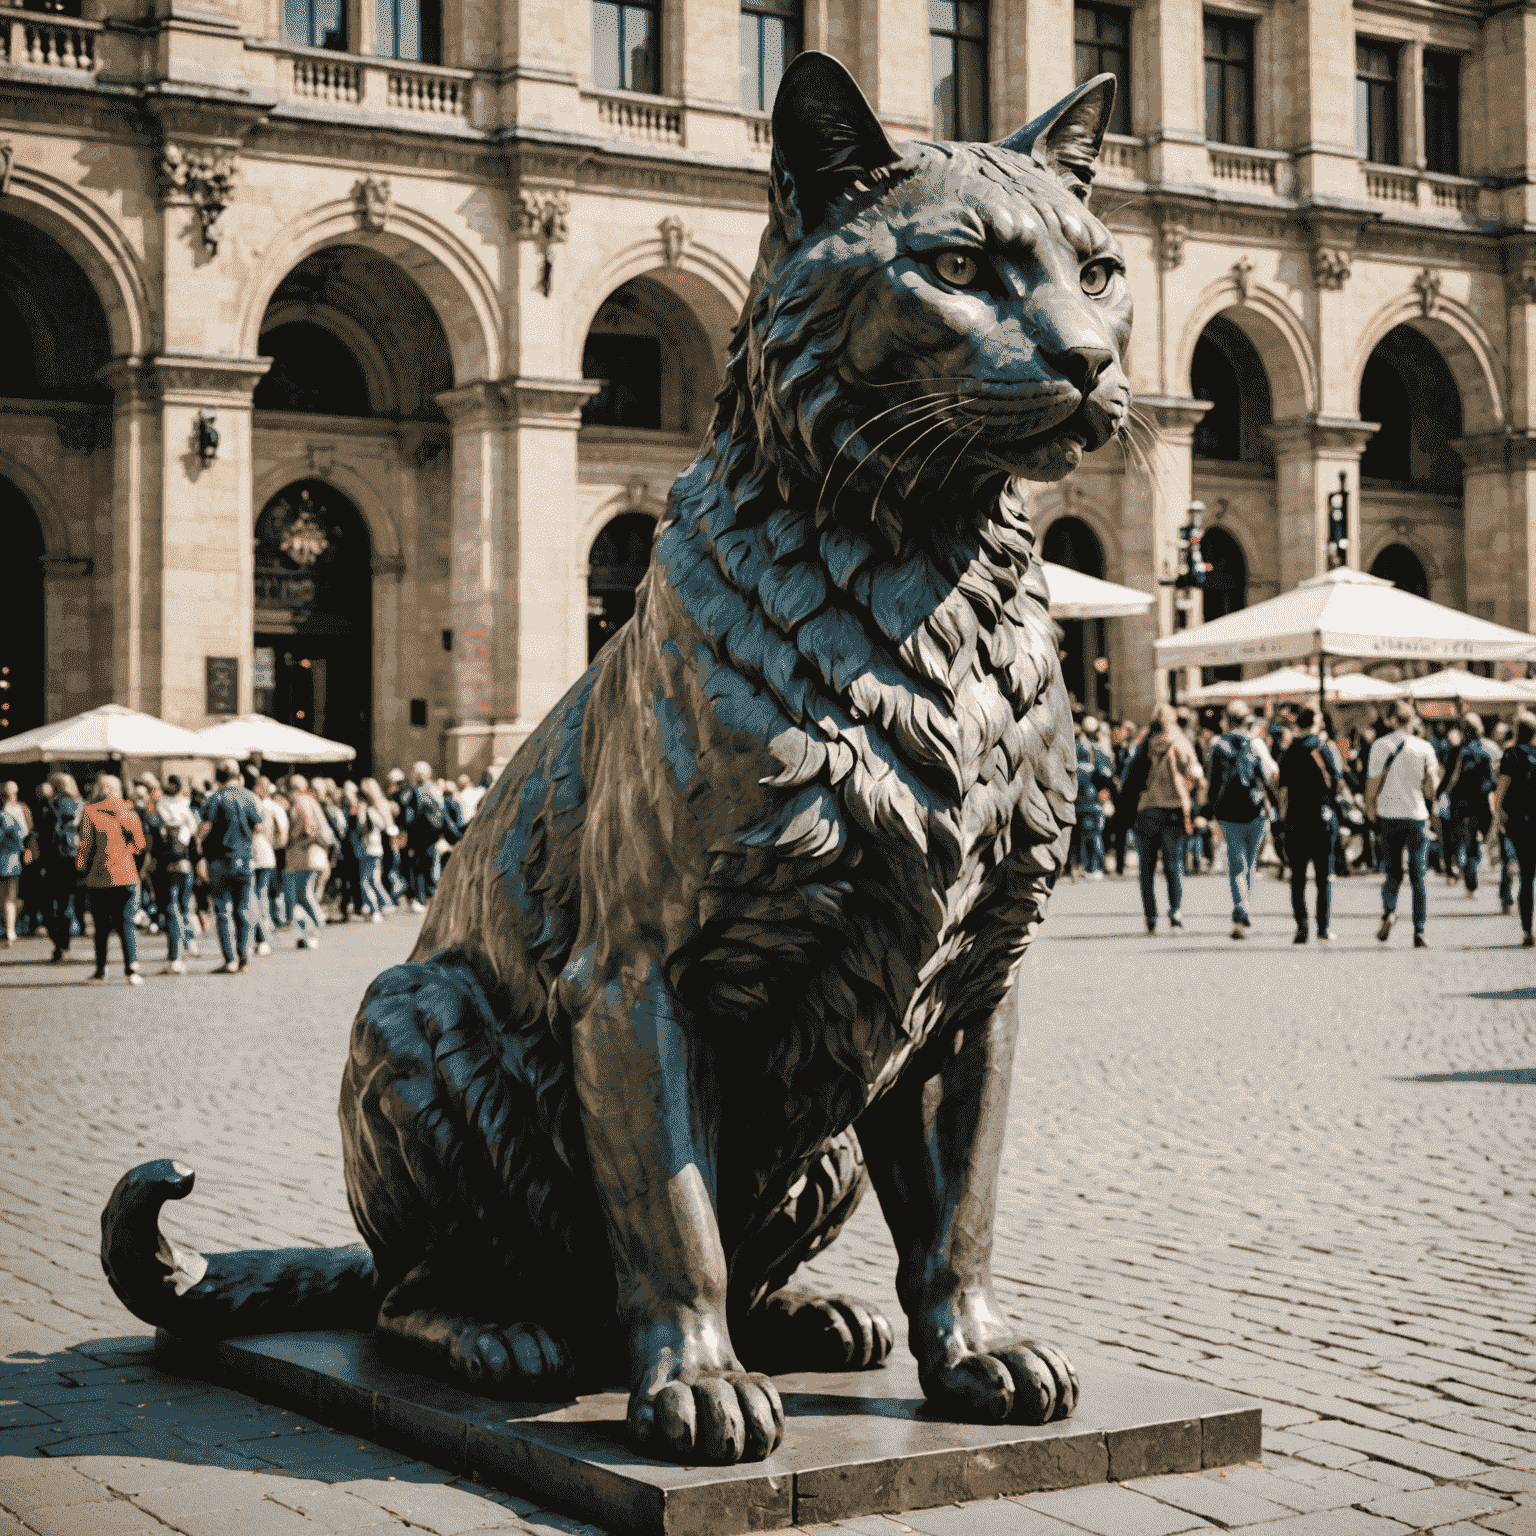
1401,797
469,802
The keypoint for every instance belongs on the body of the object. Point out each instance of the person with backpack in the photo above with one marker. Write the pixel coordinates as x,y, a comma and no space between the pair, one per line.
1095,773
1402,777
1162,777
425,817
1310,776
111,843
15,835
173,830
1237,772
231,818
58,835
1470,791
1514,812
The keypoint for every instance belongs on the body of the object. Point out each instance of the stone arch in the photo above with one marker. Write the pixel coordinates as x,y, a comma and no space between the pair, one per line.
1466,349
454,283
1412,548
1276,334
708,283
1103,526
641,497
383,528
49,516
96,244
24,620
624,542
378,375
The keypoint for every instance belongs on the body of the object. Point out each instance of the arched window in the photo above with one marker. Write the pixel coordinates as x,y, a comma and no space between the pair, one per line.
1226,586
22,646
312,370
1069,541
1399,565
1407,387
1225,369
616,565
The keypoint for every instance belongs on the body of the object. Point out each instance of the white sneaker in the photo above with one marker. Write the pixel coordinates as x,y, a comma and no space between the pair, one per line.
1098,874
193,950
416,906
174,968
227,969
263,948
134,979
378,917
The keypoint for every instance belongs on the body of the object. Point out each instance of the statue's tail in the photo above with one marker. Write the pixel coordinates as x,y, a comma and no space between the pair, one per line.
222,1294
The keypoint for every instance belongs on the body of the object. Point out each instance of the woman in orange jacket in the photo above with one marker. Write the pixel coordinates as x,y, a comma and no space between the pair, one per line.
111,843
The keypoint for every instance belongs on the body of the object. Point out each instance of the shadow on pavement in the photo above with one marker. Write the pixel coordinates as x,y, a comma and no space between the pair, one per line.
1504,1075
1514,995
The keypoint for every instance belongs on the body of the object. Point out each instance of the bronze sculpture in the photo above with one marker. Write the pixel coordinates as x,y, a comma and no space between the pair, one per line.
734,932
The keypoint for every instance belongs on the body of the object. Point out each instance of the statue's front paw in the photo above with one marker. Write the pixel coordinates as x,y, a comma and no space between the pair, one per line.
796,1329
1026,1383
524,1360
719,1417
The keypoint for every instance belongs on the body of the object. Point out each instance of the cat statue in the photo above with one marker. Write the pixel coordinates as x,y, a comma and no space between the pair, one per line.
734,934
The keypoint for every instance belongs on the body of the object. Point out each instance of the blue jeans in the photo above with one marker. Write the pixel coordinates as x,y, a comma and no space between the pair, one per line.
178,913
1468,843
229,889
1091,835
1508,860
373,888
1399,835
298,888
423,873
1524,854
1244,839
261,904
1160,829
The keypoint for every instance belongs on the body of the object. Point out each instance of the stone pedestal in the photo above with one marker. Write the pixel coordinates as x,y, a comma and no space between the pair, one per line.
855,1444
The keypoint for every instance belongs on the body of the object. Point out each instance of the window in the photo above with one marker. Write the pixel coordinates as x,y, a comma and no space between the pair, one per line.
1442,113
770,38
1376,102
957,67
626,47
1104,47
406,29
1228,80
315,23
629,368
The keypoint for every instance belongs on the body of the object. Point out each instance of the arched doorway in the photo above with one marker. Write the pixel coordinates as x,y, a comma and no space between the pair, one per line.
1069,541
23,647
1226,587
314,616
1226,370
1399,565
618,561
1407,387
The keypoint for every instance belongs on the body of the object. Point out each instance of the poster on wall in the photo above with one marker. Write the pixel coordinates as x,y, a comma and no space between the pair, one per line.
223,685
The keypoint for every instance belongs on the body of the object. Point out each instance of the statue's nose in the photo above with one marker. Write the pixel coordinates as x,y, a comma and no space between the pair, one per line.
1081,365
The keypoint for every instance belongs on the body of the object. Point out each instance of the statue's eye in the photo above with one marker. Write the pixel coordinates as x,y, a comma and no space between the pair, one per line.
1096,278
957,269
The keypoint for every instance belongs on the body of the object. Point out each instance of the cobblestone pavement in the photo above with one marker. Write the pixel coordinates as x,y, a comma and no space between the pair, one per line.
1304,1174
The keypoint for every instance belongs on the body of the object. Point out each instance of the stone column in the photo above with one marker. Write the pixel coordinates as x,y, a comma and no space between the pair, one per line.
1311,452
1313,43
1167,37
1151,554
1498,499
182,565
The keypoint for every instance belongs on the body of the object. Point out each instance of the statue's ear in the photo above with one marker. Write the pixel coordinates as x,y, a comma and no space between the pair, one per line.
1067,139
826,139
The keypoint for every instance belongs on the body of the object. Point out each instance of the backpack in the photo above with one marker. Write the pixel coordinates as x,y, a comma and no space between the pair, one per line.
64,835
1475,782
1240,793
1519,807
430,808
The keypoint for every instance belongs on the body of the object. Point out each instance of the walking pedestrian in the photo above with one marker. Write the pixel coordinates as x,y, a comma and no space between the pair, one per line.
231,819
1163,811
1470,790
1402,777
111,843
1095,773
175,848
268,839
59,839
1514,812
15,852
1310,773
1240,767
379,817
305,860
425,820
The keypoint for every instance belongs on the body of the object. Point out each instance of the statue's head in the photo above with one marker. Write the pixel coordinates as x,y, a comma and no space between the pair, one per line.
934,313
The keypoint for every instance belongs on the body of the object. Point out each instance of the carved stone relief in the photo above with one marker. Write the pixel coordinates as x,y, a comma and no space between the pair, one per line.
202,178
1427,285
674,238
544,217
374,201
1330,267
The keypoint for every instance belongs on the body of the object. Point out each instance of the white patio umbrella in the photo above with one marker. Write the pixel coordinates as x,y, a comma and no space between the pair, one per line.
260,735
110,731
1076,596
1361,688
1343,613
1468,688
1293,684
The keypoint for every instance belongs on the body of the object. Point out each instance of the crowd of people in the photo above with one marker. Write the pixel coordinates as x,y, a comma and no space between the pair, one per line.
1402,795
244,859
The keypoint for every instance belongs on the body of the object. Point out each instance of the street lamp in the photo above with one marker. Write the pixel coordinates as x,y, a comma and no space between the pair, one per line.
1338,524
1190,577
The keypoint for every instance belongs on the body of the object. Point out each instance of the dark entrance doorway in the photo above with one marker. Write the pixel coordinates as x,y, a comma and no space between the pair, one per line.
22,643
620,555
1069,541
1226,588
314,617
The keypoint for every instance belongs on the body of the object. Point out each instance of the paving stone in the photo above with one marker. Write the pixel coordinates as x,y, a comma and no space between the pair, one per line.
1520,1521
1435,1506
996,1517
117,1517
1507,1480
443,1508
1212,1499
29,1485
1335,1522
1110,1510
1427,1459
333,1508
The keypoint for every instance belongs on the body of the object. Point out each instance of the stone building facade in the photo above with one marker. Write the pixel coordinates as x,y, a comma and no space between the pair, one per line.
347,351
